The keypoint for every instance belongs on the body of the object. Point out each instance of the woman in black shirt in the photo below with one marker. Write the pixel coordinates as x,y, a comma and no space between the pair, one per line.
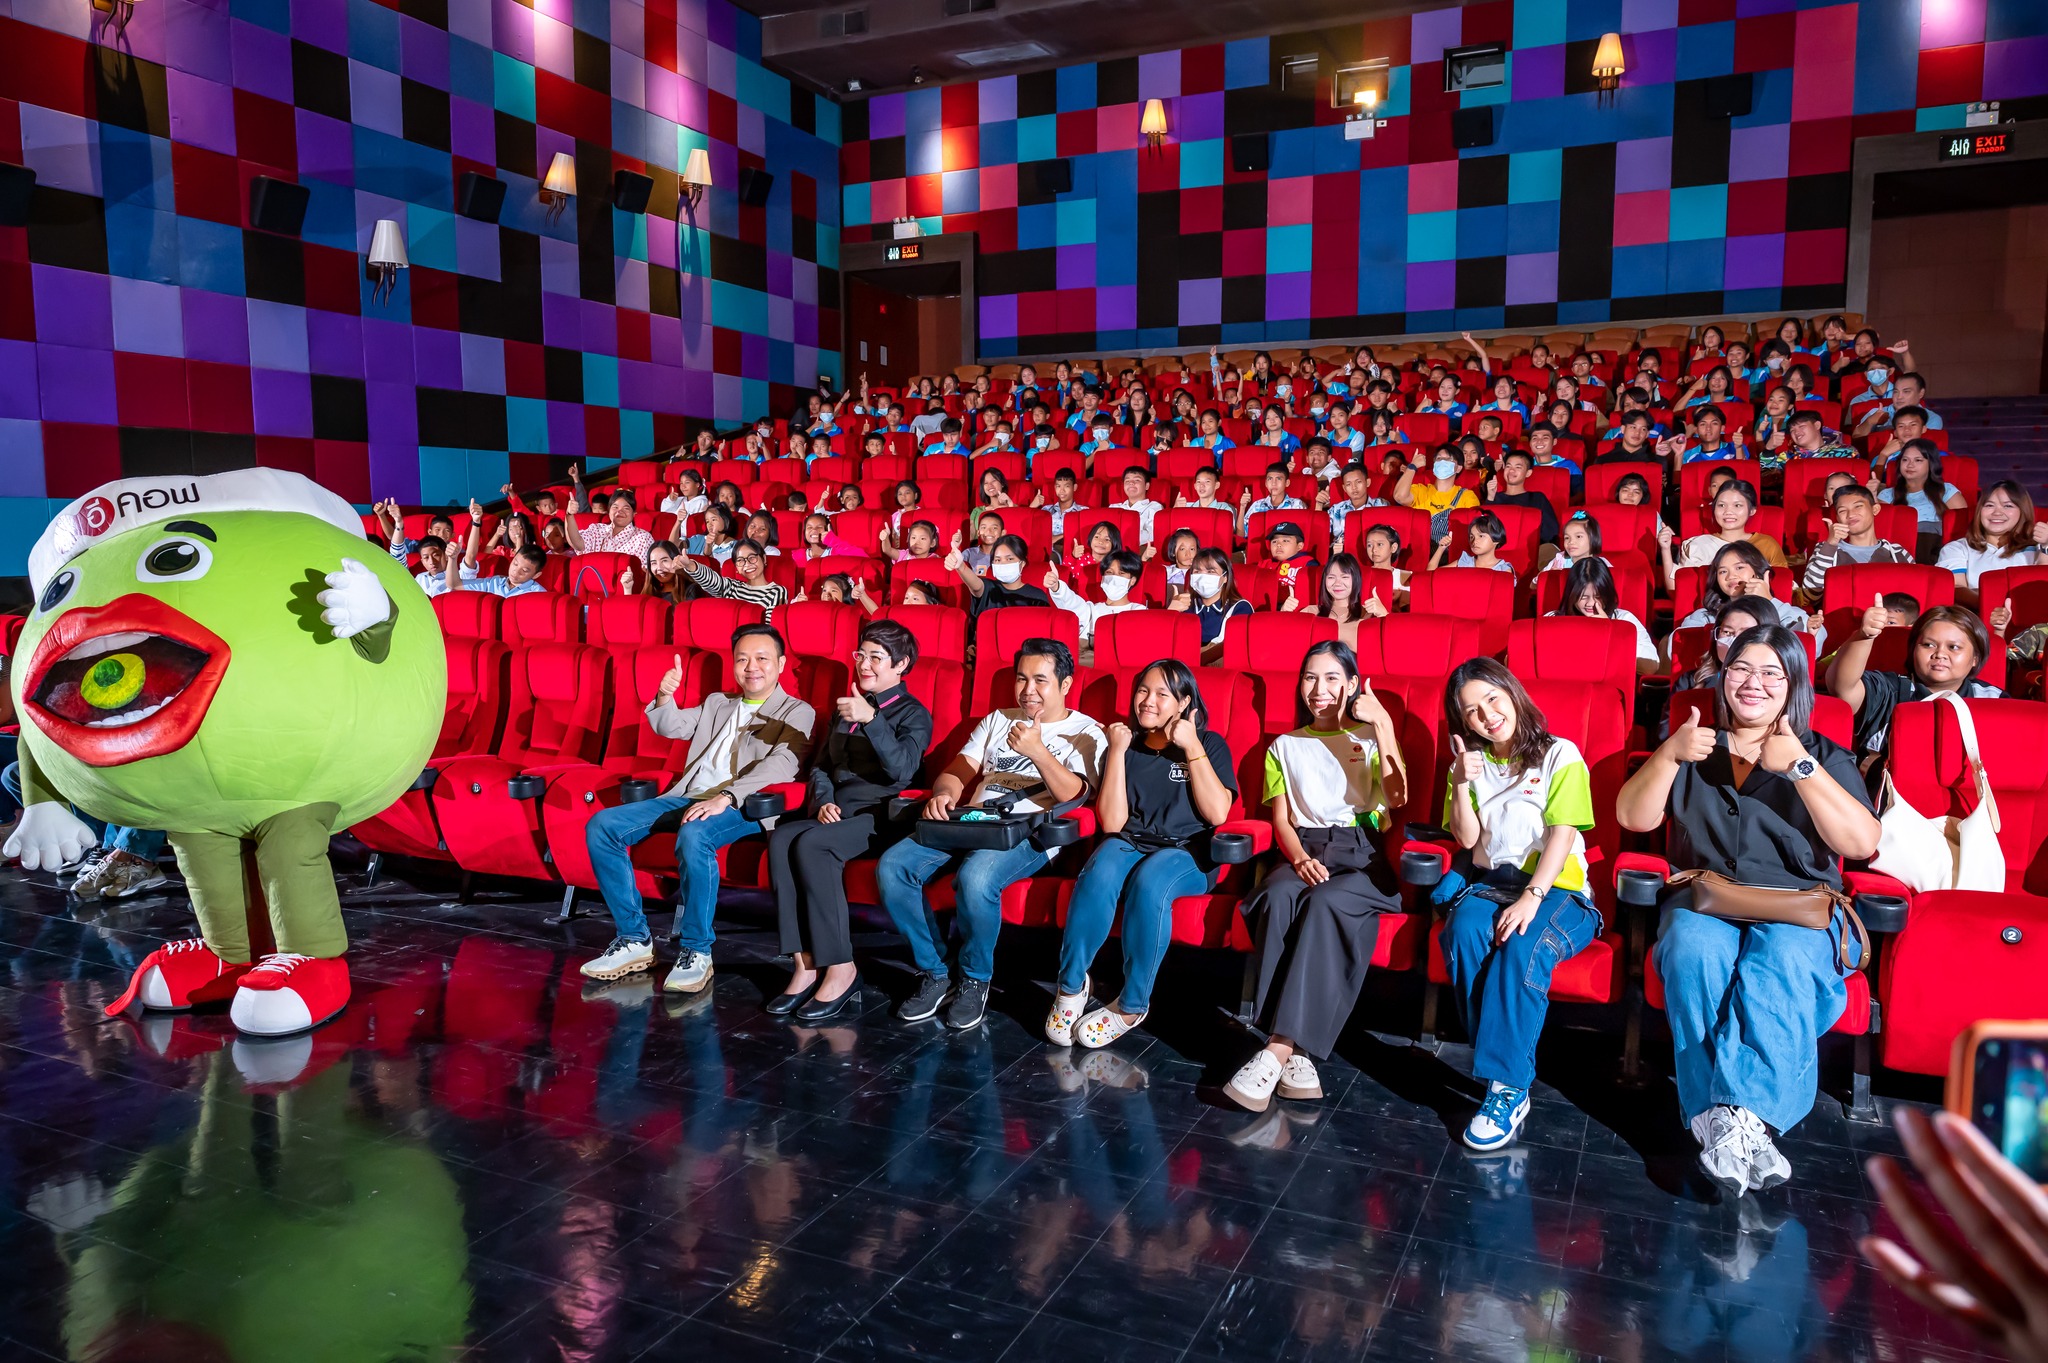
1752,794
1166,783
875,749
1003,585
1944,652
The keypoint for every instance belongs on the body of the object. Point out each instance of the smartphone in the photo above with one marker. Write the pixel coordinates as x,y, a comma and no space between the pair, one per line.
1998,1081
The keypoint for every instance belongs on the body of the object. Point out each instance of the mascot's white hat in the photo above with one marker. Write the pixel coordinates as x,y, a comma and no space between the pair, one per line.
130,502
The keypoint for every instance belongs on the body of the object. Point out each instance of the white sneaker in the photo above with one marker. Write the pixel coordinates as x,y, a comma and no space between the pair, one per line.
1066,1011
1298,1078
122,875
1252,1086
692,973
87,883
1768,1166
623,957
1726,1148
1499,1119
1103,1026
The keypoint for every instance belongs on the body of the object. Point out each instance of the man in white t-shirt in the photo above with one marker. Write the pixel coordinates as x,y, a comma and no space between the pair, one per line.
1042,754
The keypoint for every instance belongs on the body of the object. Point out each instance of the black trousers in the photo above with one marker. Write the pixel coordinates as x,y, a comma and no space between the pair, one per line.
807,862
1315,942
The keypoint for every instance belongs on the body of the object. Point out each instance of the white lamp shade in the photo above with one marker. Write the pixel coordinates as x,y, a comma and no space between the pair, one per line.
1607,61
561,174
387,245
1153,124
697,170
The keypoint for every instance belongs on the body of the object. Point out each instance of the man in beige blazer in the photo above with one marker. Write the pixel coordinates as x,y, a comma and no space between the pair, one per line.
739,743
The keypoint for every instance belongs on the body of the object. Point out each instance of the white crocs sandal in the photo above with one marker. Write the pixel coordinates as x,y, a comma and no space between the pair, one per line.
1066,1011
1103,1026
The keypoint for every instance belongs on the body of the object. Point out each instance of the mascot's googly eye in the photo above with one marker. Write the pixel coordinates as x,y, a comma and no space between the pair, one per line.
59,588
174,560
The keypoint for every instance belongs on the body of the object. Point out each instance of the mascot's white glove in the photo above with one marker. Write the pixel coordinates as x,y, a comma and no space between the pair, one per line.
354,600
49,837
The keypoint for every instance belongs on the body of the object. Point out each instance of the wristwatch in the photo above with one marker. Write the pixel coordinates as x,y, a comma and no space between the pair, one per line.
1801,769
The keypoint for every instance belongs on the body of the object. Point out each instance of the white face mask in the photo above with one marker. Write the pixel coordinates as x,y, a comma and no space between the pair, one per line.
1006,573
1116,588
1317,408
1444,468
1206,584
1045,442
1876,373
1775,362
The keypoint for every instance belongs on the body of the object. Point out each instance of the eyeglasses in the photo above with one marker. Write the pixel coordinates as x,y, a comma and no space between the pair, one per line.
1771,677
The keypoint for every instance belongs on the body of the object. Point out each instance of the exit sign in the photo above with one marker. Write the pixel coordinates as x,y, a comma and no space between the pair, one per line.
1965,146
909,250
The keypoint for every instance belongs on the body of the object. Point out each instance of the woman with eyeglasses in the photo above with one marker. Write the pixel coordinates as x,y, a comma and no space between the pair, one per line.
1763,808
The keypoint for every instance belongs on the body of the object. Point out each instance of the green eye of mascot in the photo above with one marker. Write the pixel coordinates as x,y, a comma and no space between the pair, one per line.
222,657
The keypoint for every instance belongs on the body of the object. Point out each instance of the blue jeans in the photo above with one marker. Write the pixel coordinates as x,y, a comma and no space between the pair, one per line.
610,836
1504,990
145,843
1747,1004
978,886
1146,883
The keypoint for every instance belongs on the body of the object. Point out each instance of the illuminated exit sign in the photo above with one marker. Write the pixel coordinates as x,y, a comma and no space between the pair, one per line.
909,250
1967,146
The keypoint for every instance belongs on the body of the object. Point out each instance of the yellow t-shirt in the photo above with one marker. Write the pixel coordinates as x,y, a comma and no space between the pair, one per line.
1428,497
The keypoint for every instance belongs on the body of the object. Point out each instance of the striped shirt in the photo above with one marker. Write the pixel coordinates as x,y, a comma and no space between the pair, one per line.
769,596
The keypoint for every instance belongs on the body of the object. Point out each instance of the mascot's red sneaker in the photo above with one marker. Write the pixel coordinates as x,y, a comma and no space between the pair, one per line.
286,993
180,975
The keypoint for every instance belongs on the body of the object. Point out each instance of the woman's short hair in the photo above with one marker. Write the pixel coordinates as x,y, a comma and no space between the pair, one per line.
894,638
1791,655
1124,562
1964,619
1014,543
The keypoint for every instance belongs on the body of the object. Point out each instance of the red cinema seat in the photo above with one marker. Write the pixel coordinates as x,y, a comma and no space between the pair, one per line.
1481,594
468,615
1184,463
934,574
470,723
1139,638
708,622
997,636
1415,645
741,471
1602,477
1110,465
560,696
1849,588
1899,524
1006,462
596,576
540,618
1315,529
872,571
1626,531
1214,527
1270,646
933,468
836,468
941,630
1969,955
626,622
1689,589
1410,524
1579,650
1631,586
864,525
1033,524
1524,526
1555,485
1804,478
828,630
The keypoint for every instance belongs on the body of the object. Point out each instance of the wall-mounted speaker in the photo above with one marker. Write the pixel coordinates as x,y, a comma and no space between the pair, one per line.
17,186
278,205
754,186
1250,152
630,190
1472,127
1051,177
1730,96
479,196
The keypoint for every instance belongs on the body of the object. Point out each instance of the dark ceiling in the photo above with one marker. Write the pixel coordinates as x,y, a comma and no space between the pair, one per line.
808,39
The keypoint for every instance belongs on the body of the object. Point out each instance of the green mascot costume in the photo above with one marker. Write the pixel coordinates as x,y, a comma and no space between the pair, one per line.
224,658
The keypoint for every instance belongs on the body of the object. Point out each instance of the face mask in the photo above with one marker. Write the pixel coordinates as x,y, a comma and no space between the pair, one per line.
1284,388
1775,362
1116,588
1876,373
1206,584
1444,468
1045,442
1317,409
1006,573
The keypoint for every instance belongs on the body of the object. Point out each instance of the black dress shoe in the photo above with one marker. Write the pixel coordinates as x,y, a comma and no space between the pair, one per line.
825,1010
782,1005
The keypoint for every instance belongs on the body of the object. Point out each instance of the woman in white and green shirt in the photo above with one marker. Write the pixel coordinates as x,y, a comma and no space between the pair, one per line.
1519,802
1331,784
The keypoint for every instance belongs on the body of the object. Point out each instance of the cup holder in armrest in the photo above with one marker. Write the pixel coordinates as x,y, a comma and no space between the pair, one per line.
1421,869
1882,912
763,805
1056,833
634,789
1639,888
526,787
1228,849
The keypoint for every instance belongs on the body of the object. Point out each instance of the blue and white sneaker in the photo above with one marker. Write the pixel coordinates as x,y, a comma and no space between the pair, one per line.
1499,1119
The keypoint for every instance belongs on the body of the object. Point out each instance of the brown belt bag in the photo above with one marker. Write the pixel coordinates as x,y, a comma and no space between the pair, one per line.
1717,896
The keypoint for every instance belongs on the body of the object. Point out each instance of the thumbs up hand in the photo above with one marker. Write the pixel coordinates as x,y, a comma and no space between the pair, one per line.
2000,618
1875,618
671,680
1467,765
1691,741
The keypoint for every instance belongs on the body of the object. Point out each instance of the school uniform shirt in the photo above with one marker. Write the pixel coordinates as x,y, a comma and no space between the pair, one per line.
1288,443
1156,789
1146,510
1215,619
1884,692
1353,439
1342,510
1330,778
434,584
1761,833
1059,516
473,581
1958,557
1076,741
1268,504
1516,808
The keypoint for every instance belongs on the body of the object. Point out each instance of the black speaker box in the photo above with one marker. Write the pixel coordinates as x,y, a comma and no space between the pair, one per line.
277,205
1250,152
1472,127
479,196
630,190
1052,177
17,184
754,186
1730,96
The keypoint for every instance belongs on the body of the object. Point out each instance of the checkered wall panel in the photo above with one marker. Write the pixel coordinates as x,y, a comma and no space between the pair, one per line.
1577,214
145,327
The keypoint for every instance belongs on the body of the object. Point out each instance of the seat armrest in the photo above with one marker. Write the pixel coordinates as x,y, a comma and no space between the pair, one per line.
526,787
902,804
763,805
635,789
1639,879
1239,840
1424,863
1883,912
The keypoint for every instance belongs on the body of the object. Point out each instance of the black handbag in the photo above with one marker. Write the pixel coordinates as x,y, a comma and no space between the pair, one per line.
973,830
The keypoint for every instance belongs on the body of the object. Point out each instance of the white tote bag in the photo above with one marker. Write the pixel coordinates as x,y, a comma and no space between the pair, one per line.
1943,853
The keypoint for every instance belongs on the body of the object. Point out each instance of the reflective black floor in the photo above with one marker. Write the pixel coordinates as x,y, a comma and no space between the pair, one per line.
484,1160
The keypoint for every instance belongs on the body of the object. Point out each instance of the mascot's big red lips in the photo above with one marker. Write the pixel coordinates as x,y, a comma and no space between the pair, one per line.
117,683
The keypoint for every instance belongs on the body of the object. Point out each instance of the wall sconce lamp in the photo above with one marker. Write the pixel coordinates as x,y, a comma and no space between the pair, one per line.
1153,124
387,258
696,176
1608,66
559,186
118,13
